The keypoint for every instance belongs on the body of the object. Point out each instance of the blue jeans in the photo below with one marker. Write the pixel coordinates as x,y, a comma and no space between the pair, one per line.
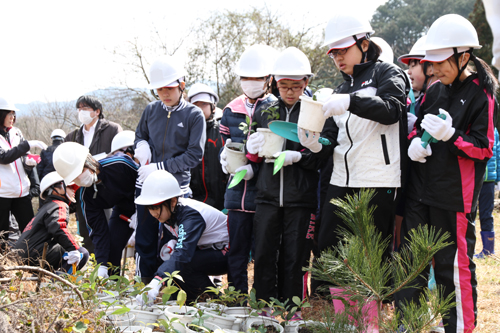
486,203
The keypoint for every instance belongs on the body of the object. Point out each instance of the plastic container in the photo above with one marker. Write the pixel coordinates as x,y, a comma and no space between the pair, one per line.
273,143
311,116
210,326
134,329
185,314
235,156
223,320
257,321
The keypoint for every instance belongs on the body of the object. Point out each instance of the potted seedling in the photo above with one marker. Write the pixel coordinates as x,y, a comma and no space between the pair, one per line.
273,142
311,109
200,323
235,151
287,310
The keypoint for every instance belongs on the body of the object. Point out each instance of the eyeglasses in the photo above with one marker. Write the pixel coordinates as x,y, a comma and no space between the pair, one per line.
334,53
286,89
11,114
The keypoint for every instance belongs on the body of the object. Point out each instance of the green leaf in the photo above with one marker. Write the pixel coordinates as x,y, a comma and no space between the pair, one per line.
181,298
169,290
120,311
79,327
297,300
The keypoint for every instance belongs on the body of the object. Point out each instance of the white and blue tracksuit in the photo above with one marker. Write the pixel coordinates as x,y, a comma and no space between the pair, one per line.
115,189
201,249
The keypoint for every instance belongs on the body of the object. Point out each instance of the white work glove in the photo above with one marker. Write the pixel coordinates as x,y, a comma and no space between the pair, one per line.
30,162
73,257
223,157
155,286
336,105
291,156
143,152
167,250
439,129
103,272
133,221
248,168
309,140
37,144
411,121
255,143
131,240
146,170
418,153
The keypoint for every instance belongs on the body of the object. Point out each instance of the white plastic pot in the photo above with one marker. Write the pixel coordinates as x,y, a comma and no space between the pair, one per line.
311,115
210,326
257,321
238,311
273,143
294,326
223,320
125,319
146,316
235,156
187,316
134,329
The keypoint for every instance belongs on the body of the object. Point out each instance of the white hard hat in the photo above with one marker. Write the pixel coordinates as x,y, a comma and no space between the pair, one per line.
448,32
57,132
417,52
69,159
166,72
341,28
387,55
292,63
50,179
201,88
159,186
122,140
256,61
5,105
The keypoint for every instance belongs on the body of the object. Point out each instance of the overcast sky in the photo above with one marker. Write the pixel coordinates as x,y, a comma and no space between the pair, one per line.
59,50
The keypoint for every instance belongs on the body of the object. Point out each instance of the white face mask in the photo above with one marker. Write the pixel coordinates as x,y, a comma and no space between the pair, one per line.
86,179
84,117
253,89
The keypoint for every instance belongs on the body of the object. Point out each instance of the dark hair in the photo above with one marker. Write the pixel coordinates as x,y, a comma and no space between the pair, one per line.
373,52
92,102
3,115
487,79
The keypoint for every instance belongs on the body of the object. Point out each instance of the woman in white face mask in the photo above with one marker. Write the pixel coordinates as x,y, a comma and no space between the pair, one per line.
253,68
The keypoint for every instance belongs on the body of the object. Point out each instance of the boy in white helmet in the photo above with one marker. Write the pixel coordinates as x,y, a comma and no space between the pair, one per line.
170,136
254,68
196,240
208,182
50,226
285,202
107,183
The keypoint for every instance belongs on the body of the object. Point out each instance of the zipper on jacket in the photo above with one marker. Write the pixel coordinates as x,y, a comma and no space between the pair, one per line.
164,137
345,156
352,80
282,171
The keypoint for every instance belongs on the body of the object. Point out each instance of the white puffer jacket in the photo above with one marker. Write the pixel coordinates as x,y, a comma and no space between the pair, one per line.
13,178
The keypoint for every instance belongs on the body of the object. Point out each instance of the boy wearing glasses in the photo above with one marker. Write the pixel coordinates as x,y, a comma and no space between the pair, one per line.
285,201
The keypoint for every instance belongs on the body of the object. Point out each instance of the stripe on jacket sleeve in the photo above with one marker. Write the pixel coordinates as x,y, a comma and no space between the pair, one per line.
224,129
462,279
61,219
475,152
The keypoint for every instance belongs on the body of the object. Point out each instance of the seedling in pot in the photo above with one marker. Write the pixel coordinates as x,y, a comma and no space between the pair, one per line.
315,90
272,113
246,127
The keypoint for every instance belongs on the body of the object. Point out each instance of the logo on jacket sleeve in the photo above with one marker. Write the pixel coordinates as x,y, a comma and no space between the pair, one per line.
367,82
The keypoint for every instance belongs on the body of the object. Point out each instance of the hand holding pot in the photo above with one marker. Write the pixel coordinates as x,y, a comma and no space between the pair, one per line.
255,143
223,157
336,105
248,168
309,140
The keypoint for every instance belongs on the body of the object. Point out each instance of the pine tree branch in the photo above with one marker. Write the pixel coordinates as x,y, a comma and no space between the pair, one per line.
413,276
361,280
43,271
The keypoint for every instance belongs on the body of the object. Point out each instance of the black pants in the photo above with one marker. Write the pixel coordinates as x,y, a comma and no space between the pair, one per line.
21,208
454,268
240,226
280,242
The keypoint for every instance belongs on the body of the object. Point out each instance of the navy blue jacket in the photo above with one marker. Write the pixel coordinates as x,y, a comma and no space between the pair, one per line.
242,196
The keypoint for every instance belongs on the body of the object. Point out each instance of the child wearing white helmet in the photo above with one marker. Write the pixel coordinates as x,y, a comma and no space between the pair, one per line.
15,185
447,175
285,202
254,68
170,136
208,181
50,226
105,184
195,236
